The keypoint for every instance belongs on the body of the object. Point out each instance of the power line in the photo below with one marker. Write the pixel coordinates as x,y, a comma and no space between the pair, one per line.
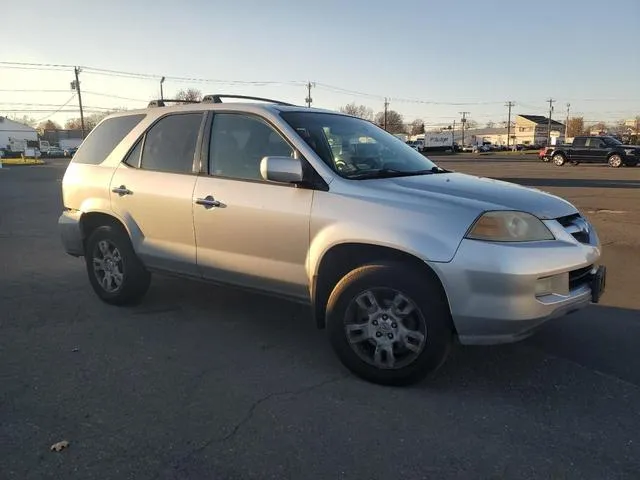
58,110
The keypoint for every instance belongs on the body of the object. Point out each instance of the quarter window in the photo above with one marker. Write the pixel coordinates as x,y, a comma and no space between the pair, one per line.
104,138
240,142
170,145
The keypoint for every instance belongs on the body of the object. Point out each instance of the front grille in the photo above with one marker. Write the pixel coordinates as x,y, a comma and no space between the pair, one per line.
579,277
577,226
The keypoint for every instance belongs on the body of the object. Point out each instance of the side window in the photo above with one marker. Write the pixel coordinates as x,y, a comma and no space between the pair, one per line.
594,142
238,144
579,142
104,138
170,145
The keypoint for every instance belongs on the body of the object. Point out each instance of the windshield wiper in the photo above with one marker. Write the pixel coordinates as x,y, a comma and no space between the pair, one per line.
391,173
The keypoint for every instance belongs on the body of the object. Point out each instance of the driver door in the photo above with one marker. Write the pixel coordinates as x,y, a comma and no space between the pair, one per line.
256,233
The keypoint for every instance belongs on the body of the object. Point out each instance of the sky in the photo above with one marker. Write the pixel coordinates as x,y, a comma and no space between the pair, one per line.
431,59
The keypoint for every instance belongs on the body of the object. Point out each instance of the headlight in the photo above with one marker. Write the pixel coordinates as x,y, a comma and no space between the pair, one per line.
507,226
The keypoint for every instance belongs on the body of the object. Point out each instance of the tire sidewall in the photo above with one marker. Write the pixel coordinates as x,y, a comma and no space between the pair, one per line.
558,160
426,297
135,277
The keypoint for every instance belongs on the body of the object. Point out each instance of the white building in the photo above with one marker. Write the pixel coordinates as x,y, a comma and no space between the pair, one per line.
14,135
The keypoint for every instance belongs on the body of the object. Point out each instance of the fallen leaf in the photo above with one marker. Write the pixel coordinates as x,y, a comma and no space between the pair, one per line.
56,447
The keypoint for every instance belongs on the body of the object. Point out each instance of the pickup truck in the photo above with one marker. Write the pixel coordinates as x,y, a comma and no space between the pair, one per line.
596,149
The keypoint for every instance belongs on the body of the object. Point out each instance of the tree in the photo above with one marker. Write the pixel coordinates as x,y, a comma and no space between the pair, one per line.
90,121
395,122
470,124
490,124
598,127
189,95
575,126
417,127
25,120
48,125
359,111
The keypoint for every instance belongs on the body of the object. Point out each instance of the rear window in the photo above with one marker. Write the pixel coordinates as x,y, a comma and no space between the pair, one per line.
104,138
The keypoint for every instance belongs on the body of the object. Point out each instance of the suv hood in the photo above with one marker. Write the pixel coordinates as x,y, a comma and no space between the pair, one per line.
485,193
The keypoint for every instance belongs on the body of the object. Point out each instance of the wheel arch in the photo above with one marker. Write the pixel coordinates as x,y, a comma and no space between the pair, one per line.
340,259
89,221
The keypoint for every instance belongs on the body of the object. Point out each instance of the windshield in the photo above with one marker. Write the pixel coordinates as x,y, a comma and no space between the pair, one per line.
356,148
612,141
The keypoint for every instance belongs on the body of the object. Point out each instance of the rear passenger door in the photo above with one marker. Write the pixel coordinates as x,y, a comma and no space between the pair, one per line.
596,150
152,190
579,149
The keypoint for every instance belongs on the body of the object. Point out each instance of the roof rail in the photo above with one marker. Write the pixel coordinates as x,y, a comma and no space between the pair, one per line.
217,98
162,102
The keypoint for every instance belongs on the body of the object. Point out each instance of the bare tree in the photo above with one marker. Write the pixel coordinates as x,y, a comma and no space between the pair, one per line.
470,124
575,126
395,122
90,121
189,95
490,124
358,111
25,120
417,127
48,125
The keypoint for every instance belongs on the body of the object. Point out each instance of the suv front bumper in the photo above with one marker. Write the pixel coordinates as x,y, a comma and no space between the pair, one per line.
493,288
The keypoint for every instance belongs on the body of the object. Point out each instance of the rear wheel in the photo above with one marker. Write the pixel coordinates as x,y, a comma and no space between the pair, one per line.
615,161
116,273
389,323
559,160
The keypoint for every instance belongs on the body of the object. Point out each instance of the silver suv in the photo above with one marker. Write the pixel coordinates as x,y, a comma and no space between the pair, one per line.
396,256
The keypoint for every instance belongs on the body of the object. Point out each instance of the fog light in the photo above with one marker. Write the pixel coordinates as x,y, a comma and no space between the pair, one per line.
555,284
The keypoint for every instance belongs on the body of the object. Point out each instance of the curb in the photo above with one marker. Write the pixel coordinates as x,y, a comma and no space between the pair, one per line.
19,161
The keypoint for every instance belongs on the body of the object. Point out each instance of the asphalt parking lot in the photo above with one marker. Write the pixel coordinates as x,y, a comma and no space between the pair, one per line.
202,382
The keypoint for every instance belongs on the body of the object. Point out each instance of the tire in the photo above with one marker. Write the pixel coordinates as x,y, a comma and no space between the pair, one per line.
615,161
559,160
421,309
112,244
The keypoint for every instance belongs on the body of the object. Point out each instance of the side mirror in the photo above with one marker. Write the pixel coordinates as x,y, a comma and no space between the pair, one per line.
281,169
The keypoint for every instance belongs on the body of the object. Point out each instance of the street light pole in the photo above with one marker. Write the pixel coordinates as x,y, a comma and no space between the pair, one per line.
161,92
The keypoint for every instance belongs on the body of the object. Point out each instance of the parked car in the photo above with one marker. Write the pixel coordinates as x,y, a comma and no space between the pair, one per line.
596,149
396,256
70,152
55,152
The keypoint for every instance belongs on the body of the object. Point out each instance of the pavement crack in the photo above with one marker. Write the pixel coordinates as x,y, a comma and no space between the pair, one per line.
249,415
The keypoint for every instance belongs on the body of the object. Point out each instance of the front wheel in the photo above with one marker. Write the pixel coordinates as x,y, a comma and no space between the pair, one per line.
116,273
389,323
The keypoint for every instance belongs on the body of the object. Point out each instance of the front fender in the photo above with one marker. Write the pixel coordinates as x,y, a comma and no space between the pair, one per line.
429,234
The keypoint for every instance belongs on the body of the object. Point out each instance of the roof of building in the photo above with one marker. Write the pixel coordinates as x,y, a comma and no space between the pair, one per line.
540,120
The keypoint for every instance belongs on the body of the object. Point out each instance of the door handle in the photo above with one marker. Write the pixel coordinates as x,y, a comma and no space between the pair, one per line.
122,190
208,202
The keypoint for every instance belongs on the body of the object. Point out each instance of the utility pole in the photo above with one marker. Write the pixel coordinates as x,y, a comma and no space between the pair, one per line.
463,120
551,102
76,86
309,99
453,137
386,108
509,104
161,92
566,124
